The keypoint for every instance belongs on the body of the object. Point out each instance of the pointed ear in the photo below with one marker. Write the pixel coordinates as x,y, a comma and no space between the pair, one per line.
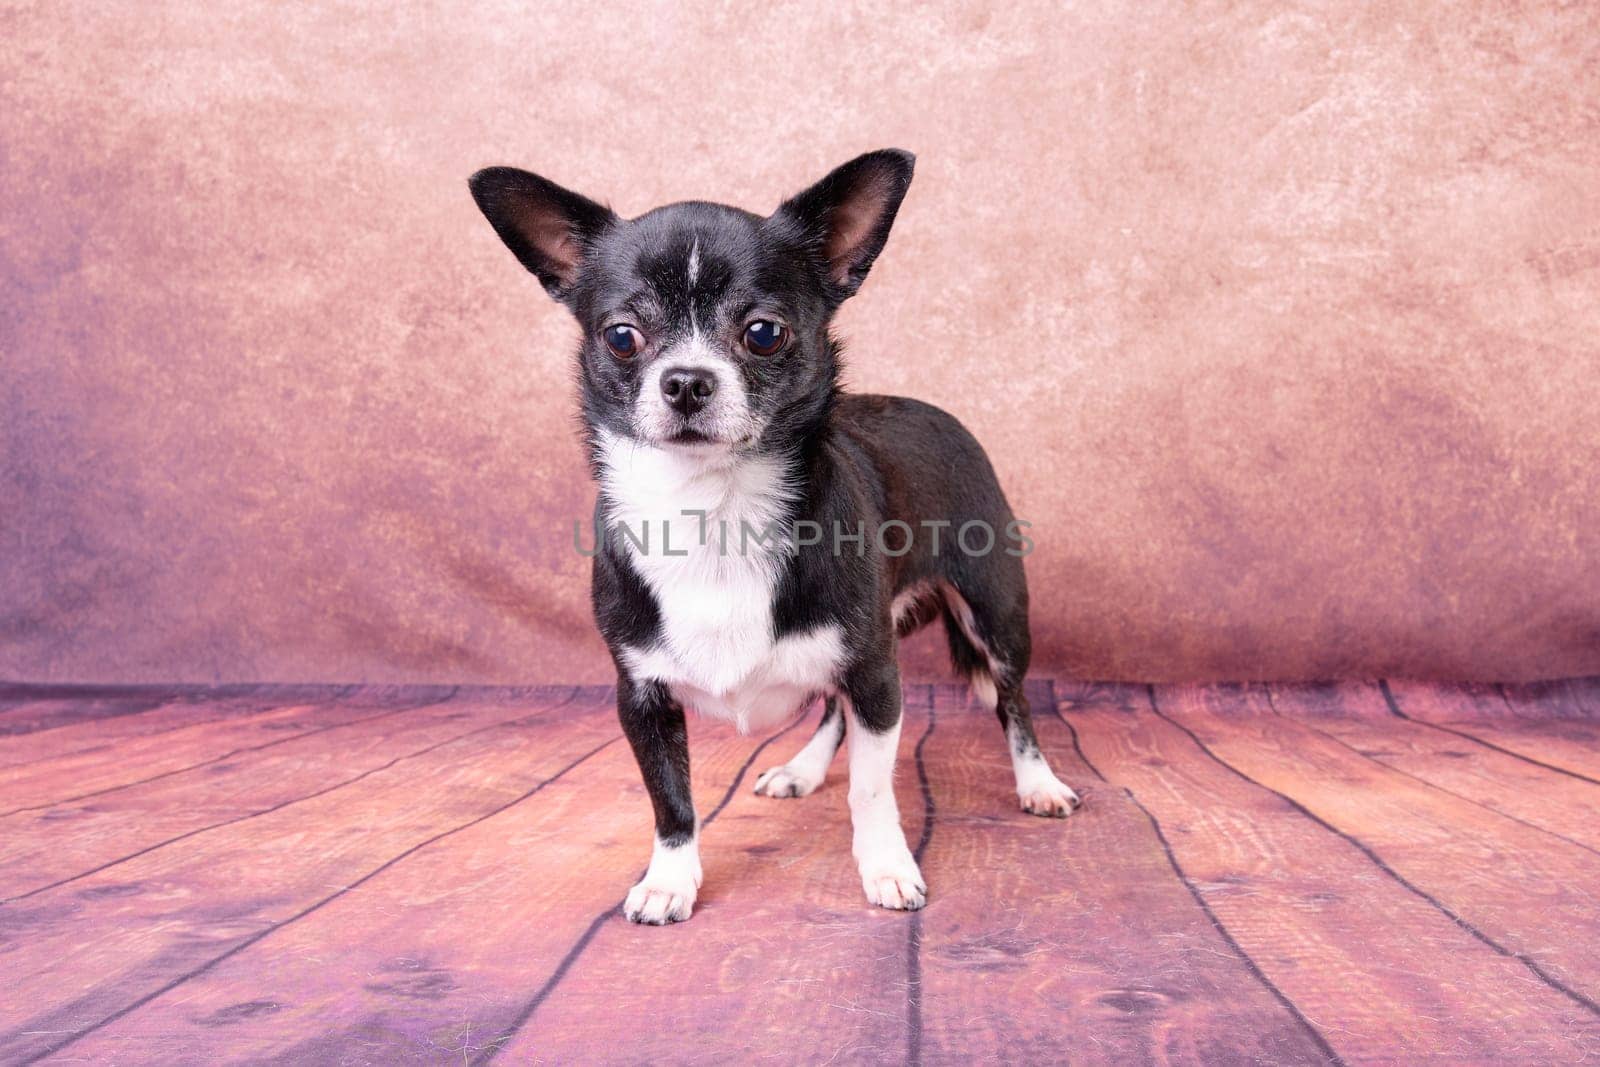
847,215
547,227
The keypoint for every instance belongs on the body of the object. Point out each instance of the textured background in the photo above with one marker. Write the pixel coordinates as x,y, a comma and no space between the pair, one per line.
1280,321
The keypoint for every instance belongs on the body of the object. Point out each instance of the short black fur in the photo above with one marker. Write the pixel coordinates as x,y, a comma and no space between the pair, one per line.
692,277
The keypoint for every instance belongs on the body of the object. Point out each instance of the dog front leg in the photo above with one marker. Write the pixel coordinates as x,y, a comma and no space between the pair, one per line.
654,724
889,872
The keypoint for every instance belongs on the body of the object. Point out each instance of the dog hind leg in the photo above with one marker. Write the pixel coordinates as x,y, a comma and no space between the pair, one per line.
807,768
994,657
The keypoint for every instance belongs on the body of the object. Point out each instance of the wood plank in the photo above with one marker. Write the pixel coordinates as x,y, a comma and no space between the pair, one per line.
40,849
1560,699
81,776
785,961
438,955
88,952
1521,891
1359,716
1545,724
1385,975
56,708
78,734
308,939
1074,941
46,713
1568,748
13,694
1585,693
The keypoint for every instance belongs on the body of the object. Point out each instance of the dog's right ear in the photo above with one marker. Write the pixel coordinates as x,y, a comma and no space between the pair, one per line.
547,227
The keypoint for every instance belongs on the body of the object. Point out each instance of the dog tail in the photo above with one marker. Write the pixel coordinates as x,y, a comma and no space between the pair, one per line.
966,656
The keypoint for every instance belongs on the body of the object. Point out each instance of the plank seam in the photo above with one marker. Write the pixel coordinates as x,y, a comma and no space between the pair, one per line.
1205,907
229,755
1533,967
162,697
914,928
10,718
1073,733
264,934
495,1046
1336,739
573,695
1394,708
229,717
1586,712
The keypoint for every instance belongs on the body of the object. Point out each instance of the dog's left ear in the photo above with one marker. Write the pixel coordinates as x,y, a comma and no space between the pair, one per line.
847,215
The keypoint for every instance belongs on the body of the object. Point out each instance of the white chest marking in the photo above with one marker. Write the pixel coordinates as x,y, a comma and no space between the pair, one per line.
712,560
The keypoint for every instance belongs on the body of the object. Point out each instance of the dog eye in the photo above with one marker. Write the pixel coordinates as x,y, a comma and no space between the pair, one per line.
625,342
763,338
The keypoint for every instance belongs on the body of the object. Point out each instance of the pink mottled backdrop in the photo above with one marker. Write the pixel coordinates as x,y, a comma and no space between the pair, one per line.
1281,321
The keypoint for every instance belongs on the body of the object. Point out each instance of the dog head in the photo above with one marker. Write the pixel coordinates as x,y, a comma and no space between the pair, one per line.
705,328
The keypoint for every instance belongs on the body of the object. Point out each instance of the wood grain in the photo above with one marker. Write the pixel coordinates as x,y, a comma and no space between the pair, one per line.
1074,940
1356,951
382,876
1358,715
1554,725
35,709
1519,890
83,775
784,960
79,731
44,848
440,955
125,936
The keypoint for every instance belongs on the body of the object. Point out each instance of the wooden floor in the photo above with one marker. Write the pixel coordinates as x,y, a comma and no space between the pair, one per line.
1359,873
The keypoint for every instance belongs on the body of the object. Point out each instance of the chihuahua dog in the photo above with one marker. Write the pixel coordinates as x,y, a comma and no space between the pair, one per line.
800,530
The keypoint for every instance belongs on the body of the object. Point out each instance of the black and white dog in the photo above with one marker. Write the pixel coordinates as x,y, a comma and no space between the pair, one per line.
797,529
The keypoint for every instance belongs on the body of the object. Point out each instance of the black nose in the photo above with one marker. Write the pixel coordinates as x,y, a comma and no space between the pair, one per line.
687,389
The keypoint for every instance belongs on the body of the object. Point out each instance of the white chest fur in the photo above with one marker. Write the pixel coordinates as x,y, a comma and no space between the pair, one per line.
708,555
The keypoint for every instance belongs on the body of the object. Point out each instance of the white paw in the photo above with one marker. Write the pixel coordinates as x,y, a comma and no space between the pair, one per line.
659,901
895,883
786,781
1052,798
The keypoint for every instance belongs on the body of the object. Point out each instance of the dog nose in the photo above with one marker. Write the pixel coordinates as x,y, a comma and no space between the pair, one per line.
687,389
